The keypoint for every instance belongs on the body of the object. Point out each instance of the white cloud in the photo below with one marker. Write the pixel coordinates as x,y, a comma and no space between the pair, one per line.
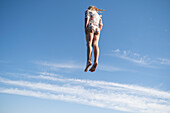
123,97
164,61
116,51
130,56
50,74
108,85
110,68
139,59
39,94
74,66
59,65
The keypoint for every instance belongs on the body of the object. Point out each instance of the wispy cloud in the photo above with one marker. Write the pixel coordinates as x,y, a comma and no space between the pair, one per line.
103,67
130,56
122,97
50,74
66,67
75,66
59,65
164,61
139,59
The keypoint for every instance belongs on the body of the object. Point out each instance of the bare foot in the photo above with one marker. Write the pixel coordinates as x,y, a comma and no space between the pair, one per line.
87,66
93,68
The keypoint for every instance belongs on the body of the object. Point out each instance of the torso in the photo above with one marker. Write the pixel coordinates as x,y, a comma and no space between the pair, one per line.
94,17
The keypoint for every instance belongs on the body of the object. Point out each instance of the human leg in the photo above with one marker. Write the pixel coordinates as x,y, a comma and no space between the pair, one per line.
96,51
96,47
89,38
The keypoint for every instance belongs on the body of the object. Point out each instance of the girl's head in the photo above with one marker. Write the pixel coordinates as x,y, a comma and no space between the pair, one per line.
95,8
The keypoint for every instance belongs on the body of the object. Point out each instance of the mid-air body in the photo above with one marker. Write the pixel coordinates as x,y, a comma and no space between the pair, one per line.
93,26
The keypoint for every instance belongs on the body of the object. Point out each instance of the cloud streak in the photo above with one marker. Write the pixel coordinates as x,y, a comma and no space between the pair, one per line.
103,67
122,97
74,66
139,59
130,56
164,61
57,66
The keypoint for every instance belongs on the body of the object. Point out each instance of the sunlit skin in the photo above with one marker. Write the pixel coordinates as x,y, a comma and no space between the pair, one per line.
92,40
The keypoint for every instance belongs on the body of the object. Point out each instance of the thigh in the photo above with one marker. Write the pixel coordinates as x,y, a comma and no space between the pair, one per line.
89,36
96,37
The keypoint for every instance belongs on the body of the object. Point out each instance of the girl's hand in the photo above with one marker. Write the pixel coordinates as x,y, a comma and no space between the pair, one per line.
85,30
100,27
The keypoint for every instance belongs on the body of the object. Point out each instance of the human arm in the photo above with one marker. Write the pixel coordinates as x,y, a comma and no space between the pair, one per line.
87,17
100,24
86,24
100,27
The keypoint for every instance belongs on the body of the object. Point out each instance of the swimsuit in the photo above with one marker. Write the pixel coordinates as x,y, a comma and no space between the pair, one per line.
94,20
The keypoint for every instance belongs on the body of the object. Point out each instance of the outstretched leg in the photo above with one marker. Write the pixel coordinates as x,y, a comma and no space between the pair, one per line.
96,51
89,38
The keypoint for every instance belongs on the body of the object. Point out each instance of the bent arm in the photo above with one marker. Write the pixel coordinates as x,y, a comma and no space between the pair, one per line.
87,16
86,24
100,24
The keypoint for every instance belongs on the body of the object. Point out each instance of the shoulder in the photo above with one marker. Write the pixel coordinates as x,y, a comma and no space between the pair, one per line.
86,11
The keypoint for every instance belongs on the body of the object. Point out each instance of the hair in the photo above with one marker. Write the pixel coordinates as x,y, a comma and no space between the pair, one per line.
95,8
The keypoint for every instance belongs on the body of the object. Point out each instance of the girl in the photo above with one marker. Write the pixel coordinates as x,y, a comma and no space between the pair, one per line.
93,26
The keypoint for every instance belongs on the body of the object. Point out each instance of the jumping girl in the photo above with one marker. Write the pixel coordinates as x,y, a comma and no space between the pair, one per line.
93,26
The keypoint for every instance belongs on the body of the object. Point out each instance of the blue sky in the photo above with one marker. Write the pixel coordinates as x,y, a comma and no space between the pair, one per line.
43,55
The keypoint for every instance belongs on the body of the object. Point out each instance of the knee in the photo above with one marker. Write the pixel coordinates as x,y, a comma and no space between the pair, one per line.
95,45
89,44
